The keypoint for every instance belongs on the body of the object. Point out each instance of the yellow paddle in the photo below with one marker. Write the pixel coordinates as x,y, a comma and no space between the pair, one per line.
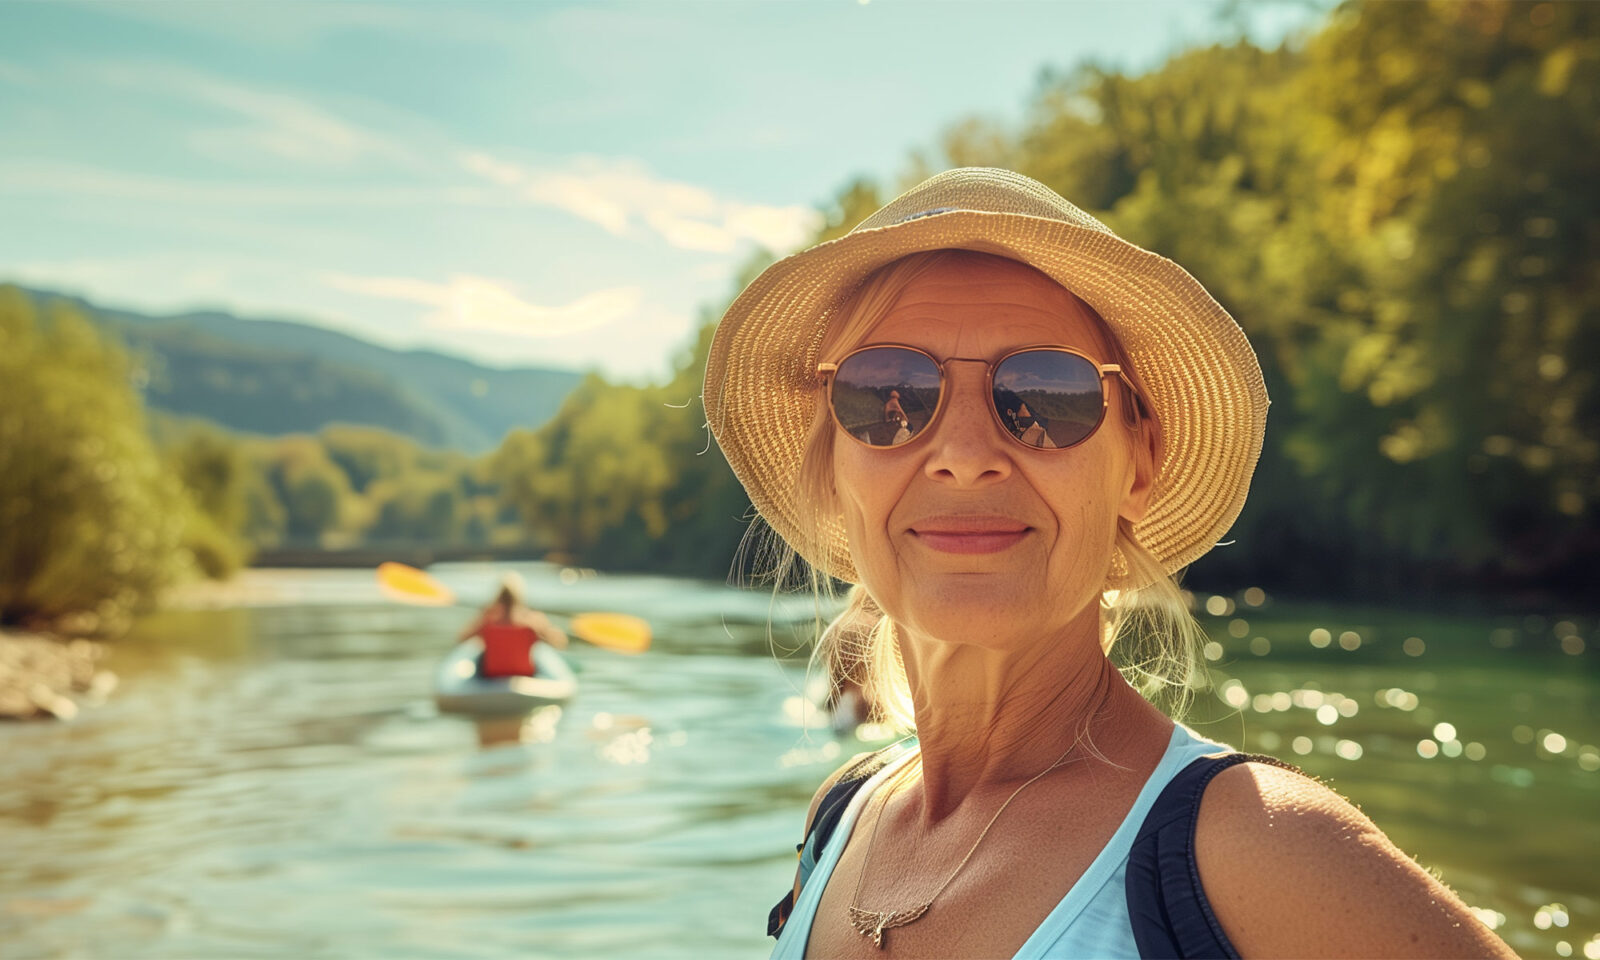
614,631
410,585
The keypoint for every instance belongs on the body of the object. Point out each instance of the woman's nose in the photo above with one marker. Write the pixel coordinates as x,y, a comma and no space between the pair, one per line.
966,448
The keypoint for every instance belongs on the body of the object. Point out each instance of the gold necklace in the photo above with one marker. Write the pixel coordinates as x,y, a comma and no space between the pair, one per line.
872,923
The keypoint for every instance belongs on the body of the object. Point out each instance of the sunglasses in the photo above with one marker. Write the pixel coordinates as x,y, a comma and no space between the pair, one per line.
1045,398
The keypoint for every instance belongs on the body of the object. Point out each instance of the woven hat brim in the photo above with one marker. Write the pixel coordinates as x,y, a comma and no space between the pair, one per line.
1203,378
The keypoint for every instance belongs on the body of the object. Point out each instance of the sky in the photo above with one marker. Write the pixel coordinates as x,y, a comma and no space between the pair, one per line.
522,184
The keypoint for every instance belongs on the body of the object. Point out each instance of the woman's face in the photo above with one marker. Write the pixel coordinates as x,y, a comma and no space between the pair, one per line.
967,535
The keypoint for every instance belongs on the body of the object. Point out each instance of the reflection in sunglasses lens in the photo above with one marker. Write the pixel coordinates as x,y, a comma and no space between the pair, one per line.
1048,399
884,396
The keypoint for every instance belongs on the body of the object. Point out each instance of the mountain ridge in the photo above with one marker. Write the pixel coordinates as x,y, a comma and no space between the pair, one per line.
275,376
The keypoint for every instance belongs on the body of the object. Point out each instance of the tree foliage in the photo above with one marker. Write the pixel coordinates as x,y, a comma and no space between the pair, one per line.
225,490
91,524
351,486
628,476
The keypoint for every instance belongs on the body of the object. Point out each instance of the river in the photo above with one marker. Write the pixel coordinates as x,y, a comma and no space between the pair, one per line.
272,780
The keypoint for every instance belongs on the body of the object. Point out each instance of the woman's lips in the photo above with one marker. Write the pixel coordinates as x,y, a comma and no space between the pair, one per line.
969,534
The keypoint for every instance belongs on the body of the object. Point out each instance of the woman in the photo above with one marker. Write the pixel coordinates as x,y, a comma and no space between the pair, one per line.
509,629
892,411
1046,807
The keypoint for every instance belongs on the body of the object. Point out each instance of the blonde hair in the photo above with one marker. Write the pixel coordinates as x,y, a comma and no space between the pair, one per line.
512,588
1147,627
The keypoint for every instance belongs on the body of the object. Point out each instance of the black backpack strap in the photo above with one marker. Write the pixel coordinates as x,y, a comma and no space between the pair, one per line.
829,812
1168,907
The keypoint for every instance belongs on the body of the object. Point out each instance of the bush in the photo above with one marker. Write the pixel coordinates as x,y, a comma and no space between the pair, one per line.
91,524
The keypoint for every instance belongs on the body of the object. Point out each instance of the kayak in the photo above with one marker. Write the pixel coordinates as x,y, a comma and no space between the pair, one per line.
457,688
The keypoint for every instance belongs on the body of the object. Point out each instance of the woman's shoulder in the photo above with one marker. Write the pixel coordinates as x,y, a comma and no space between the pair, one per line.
1288,864
858,768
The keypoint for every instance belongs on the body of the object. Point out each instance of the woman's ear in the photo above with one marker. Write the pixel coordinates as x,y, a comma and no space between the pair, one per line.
1143,449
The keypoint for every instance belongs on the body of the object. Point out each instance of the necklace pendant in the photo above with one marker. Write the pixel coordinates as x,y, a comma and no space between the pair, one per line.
873,923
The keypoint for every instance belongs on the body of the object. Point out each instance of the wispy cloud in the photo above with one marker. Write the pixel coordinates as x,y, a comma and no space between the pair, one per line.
289,129
468,303
286,25
269,125
73,180
622,196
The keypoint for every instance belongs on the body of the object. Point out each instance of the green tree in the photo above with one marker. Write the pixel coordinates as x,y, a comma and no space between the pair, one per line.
366,454
91,524
419,506
315,493
596,465
628,476
221,482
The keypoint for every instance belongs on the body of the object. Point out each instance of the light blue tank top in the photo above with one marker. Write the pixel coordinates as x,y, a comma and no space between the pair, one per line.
1090,921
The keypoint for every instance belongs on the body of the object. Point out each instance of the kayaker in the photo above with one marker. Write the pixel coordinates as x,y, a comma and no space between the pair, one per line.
1046,807
509,629
892,410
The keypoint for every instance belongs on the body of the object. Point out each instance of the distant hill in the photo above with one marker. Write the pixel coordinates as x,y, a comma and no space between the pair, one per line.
277,376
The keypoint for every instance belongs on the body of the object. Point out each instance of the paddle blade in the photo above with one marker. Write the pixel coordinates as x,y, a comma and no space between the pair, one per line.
410,585
614,631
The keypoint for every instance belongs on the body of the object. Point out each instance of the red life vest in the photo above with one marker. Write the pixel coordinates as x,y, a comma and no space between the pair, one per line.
508,649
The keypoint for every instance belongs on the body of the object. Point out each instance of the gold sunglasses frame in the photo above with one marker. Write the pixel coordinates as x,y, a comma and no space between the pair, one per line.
828,370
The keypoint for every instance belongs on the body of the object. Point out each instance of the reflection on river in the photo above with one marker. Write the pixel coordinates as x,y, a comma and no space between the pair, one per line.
274,781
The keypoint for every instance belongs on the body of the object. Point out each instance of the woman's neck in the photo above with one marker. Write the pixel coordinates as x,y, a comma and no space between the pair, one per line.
989,718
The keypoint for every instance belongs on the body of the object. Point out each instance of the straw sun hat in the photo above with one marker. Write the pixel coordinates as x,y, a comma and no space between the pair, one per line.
762,389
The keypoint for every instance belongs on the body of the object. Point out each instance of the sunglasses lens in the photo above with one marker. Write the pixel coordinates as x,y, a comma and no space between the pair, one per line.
884,396
1048,399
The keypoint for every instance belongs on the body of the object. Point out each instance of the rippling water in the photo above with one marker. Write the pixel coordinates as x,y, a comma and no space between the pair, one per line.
273,780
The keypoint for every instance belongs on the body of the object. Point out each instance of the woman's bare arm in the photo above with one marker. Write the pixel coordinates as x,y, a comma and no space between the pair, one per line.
1292,869
471,630
548,632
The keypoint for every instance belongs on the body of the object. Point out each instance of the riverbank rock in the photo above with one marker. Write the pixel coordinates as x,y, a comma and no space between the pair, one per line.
42,678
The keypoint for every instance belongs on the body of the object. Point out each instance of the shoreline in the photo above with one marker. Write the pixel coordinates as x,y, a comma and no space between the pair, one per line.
48,677
248,587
